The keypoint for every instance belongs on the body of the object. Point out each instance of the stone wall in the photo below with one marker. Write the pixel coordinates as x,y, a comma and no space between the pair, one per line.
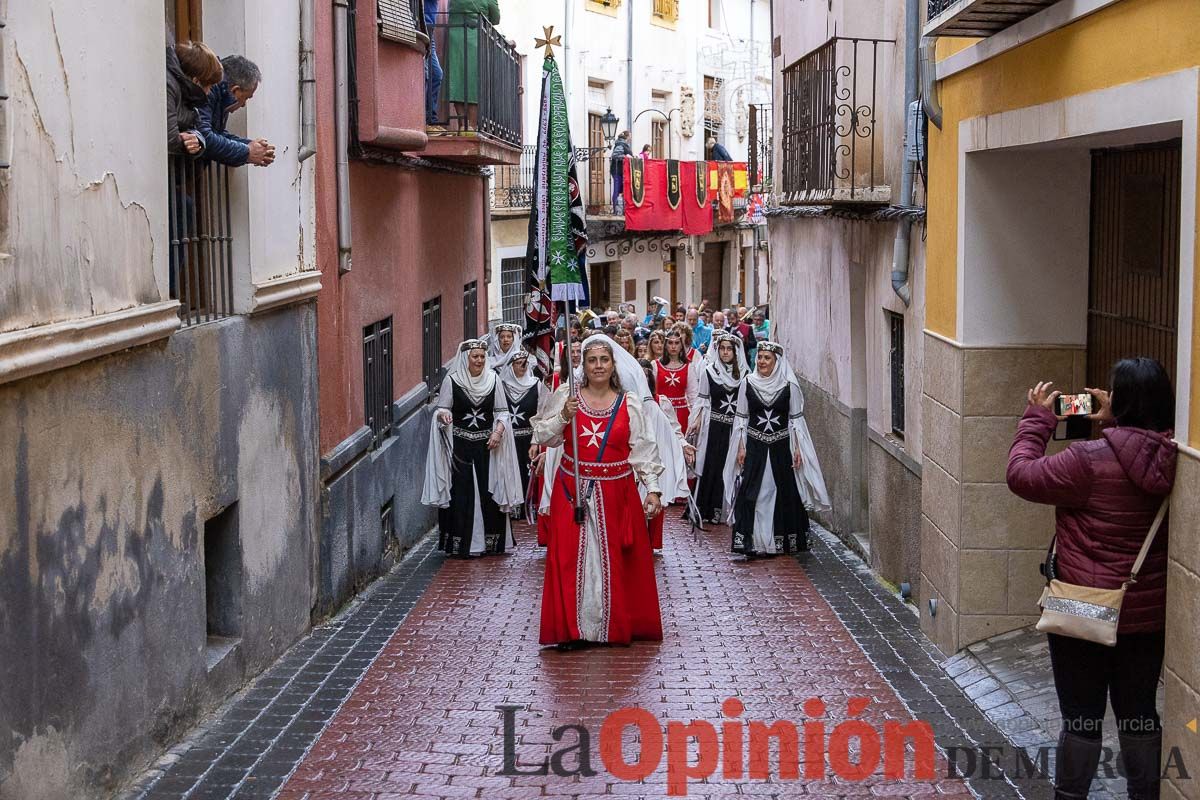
1181,671
114,467
974,532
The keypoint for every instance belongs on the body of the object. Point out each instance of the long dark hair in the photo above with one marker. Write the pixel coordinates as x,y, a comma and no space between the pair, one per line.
1142,396
648,368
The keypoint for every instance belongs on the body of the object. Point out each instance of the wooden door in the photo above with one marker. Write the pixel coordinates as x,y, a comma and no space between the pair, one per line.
596,164
1133,287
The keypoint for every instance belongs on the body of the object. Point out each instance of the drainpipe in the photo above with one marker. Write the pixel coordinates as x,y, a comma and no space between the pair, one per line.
912,34
629,63
566,62
308,84
341,70
930,102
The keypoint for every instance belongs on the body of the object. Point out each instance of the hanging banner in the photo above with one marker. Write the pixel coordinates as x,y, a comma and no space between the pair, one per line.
636,180
654,212
697,202
725,191
741,177
674,188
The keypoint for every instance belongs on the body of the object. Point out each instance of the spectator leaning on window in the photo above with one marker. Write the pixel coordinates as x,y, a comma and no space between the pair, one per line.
191,69
433,67
241,81
621,150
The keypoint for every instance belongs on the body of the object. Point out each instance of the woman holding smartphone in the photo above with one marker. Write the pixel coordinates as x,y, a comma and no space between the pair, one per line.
1107,492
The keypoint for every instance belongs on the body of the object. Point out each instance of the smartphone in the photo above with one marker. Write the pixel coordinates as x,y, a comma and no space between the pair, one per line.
1074,405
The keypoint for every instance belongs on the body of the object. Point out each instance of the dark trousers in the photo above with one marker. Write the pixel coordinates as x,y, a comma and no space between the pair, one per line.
1087,675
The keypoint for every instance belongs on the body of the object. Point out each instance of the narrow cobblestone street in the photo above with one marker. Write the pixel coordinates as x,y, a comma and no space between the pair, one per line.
456,639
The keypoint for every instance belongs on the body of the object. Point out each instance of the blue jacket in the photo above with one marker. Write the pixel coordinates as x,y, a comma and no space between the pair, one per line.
431,10
221,145
701,337
720,153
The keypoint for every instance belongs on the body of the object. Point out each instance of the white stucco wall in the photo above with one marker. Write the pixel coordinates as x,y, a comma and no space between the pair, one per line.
85,201
86,196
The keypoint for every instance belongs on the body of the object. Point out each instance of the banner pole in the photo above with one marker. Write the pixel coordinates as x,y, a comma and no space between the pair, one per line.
579,512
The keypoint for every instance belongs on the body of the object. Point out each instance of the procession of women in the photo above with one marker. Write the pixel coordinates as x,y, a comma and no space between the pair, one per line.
629,426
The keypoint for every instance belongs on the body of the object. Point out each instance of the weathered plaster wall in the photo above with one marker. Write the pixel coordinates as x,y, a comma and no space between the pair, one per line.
86,209
110,470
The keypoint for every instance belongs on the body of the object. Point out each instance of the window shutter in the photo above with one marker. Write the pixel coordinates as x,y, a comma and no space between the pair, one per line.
399,21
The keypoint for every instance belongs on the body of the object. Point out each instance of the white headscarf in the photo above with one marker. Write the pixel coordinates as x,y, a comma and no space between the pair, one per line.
497,358
476,387
629,371
718,370
514,387
769,387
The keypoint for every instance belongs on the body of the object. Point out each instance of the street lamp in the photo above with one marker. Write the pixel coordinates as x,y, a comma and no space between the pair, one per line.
667,117
608,123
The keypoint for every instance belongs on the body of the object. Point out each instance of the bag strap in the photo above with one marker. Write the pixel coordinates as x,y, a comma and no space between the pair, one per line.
608,429
1137,565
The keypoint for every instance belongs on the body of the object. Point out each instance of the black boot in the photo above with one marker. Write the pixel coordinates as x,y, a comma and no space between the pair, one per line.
1141,758
1076,766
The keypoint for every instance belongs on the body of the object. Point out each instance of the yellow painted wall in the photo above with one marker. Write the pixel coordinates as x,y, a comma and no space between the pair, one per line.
1128,41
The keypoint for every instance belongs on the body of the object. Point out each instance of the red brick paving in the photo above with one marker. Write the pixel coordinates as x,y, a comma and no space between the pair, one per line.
423,722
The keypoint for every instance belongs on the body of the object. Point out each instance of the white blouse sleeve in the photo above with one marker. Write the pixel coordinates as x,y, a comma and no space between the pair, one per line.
693,382
446,394
643,450
548,424
500,406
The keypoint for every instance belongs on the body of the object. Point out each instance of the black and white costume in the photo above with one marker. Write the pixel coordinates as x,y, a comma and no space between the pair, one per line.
497,358
473,487
526,395
768,504
712,424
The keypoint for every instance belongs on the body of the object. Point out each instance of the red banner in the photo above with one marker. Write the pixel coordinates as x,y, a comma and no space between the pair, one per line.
697,200
646,204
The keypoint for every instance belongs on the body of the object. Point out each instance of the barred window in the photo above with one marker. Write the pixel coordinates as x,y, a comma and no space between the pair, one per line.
896,368
667,10
471,310
431,341
377,379
512,290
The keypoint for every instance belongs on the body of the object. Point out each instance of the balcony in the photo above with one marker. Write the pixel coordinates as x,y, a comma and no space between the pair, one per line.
201,250
760,164
829,151
978,18
479,105
512,185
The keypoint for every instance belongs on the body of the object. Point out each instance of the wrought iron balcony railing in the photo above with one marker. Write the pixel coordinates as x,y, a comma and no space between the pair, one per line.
481,84
829,152
512,185
201,234
760,160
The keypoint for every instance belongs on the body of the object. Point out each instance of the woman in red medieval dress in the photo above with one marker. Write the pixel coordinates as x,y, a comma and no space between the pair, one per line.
600,584
677,376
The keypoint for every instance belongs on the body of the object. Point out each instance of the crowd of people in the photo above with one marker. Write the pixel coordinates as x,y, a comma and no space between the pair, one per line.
692,409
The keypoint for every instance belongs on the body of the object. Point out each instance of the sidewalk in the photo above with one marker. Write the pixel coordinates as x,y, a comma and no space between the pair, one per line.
1010,676
398,696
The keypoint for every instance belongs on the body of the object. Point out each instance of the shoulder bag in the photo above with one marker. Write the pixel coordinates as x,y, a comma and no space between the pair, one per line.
1084,612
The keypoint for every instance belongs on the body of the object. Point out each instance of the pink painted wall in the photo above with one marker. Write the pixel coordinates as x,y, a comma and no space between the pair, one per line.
416,234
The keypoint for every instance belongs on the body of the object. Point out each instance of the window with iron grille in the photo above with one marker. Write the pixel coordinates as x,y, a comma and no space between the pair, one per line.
896,368
431,341
658,139
200,228
512,290
400,20
471,310
377,379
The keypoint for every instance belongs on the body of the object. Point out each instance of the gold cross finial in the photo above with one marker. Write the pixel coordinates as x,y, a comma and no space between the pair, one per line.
548,41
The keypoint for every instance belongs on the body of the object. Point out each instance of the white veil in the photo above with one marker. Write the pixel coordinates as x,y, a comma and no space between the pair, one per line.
479,386
720,370
496,358
515,387
629,371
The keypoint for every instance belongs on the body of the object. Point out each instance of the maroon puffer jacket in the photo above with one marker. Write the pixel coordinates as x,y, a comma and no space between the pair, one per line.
1107,492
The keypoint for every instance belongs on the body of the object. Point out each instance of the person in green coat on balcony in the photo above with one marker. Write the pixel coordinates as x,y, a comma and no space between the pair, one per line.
463,67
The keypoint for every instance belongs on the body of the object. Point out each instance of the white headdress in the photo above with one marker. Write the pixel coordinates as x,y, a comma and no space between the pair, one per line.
497,357
768,387
515,387
629,371
478,386
718,370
